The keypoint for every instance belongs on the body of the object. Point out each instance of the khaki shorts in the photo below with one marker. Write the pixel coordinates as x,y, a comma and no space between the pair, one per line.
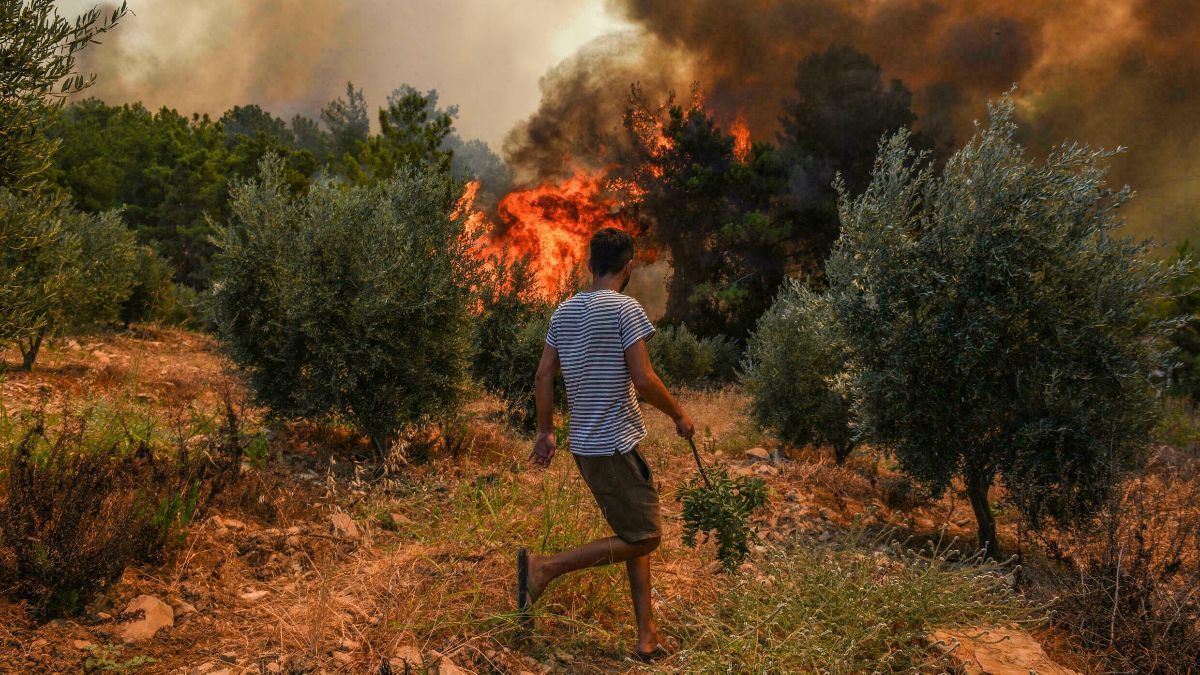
624,490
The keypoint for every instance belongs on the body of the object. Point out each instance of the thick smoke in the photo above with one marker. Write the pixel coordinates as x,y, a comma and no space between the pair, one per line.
1105,72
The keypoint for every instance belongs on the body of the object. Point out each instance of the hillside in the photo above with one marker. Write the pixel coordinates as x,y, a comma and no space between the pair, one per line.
313,562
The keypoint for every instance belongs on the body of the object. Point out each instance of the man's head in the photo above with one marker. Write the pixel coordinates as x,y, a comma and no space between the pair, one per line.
611,253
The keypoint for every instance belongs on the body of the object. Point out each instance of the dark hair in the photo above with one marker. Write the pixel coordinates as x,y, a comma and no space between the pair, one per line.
611,248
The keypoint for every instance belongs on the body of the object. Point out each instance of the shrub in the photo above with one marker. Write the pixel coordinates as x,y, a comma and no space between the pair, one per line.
510,339
796,369
1133,585
152,295
351,303
77,272
682,359
1184,302
848,609
97,492
997,323
717,503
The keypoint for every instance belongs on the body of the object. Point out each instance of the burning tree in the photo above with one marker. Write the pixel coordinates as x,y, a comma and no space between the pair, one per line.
997,324
712,211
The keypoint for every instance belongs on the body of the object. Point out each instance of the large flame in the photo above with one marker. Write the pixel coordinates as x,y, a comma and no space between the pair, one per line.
553,223
741,138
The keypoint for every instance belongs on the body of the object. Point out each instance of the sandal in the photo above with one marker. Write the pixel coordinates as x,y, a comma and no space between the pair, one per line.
653,655
522,581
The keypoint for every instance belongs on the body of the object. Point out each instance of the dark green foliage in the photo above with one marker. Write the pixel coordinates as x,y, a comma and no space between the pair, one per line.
348,124
711,210
722,505
997,323
412,132
77,273
682,359
510,339
1184,304
350,303
98,492
153,295
796,371
37,72
168,173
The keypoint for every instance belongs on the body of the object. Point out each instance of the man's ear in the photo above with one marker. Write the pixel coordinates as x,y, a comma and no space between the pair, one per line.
629,267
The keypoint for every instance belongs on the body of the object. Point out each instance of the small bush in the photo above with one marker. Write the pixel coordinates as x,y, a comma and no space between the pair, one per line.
1179,426
349,303
1134,585
722,505
844,610
96,492
796,369
683,360
153,296
510,339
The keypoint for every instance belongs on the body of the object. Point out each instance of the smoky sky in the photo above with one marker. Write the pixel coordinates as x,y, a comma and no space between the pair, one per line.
1106,72
292,56
547,80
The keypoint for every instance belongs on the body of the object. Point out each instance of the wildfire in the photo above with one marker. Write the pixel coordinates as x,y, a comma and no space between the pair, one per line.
741,138
553,223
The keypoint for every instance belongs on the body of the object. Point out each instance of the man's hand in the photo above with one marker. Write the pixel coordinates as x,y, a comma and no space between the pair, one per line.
543,449
684,426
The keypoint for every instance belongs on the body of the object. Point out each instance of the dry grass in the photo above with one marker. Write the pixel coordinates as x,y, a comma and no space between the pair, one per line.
438,576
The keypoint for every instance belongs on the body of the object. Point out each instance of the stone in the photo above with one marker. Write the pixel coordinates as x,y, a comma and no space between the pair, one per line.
157,615
995,651
251,596
343,526
442,665
82,644
205,667
349,645
400,520
233,524
766,470
182,608
344,658
408,654
758,455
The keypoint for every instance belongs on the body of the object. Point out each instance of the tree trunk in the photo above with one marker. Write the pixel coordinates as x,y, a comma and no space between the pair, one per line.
841,452
29,351
978,484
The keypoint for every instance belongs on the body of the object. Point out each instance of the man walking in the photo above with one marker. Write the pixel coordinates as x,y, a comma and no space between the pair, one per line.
598,338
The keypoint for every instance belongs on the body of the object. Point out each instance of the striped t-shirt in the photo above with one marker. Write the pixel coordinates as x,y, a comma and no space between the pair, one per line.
591,332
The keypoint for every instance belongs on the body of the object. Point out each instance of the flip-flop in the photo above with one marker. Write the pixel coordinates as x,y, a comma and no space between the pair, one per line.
523,581
653,655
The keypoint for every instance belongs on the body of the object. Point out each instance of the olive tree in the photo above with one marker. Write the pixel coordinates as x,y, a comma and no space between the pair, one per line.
795,372
37,72
998,322
350,303
61,270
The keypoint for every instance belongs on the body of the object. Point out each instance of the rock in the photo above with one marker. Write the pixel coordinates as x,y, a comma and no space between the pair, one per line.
995,651
348,645
251,596
562,656
408,654
400,520
204,667
343,658
157,615
182,608
442,665
766,470
343,526
82,644
233,524
758,455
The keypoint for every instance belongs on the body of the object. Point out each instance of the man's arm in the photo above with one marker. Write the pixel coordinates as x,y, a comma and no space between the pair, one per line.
545,445
651,388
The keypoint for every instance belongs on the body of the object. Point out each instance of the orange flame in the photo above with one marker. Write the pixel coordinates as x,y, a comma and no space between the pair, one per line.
553,224
741,138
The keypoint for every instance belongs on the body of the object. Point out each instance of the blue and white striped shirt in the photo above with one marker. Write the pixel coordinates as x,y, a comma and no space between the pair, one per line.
591,332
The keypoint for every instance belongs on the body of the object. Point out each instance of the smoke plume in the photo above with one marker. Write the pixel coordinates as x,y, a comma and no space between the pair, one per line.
1105,72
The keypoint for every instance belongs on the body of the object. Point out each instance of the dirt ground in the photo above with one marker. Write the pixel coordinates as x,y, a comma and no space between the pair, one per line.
276,581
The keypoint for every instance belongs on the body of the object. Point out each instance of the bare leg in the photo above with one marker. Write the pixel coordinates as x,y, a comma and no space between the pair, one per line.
545,568
643,609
